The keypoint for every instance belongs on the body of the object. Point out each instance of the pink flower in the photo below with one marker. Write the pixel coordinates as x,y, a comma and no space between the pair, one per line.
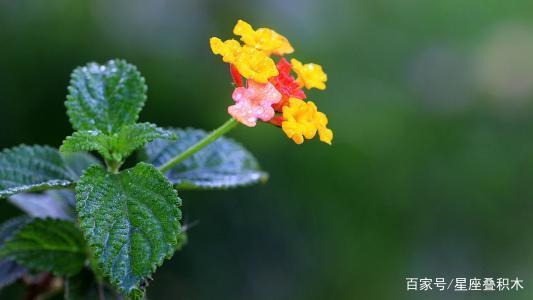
254,102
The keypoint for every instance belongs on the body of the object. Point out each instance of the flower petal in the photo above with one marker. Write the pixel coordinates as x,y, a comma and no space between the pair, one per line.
254,102
302,119
250,62
286,84
310,75
264,39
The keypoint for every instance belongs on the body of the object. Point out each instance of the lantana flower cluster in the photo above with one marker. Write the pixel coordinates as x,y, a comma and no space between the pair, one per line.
271,92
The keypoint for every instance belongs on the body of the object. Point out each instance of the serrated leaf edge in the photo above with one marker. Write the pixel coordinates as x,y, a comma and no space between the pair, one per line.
92,246
72,82
34,266
184,184
46,185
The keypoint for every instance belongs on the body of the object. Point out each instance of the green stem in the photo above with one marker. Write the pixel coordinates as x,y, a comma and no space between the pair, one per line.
113,166
101,294
208,139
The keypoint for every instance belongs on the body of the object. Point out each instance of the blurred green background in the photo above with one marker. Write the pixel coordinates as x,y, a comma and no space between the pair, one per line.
430,173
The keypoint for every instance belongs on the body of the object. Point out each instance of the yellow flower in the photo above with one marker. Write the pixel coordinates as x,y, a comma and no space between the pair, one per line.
309,75
255,65
250,62
264,39
229,49
303,120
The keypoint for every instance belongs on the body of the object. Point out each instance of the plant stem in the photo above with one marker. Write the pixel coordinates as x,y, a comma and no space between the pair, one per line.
113,166
101,294
208,139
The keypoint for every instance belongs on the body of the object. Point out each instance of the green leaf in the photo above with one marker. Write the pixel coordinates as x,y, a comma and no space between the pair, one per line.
79,162
10,270
116,146
88,140
33,168
47,245
130,220
58,204
9,228
135,136
50,204
222,164
105,97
